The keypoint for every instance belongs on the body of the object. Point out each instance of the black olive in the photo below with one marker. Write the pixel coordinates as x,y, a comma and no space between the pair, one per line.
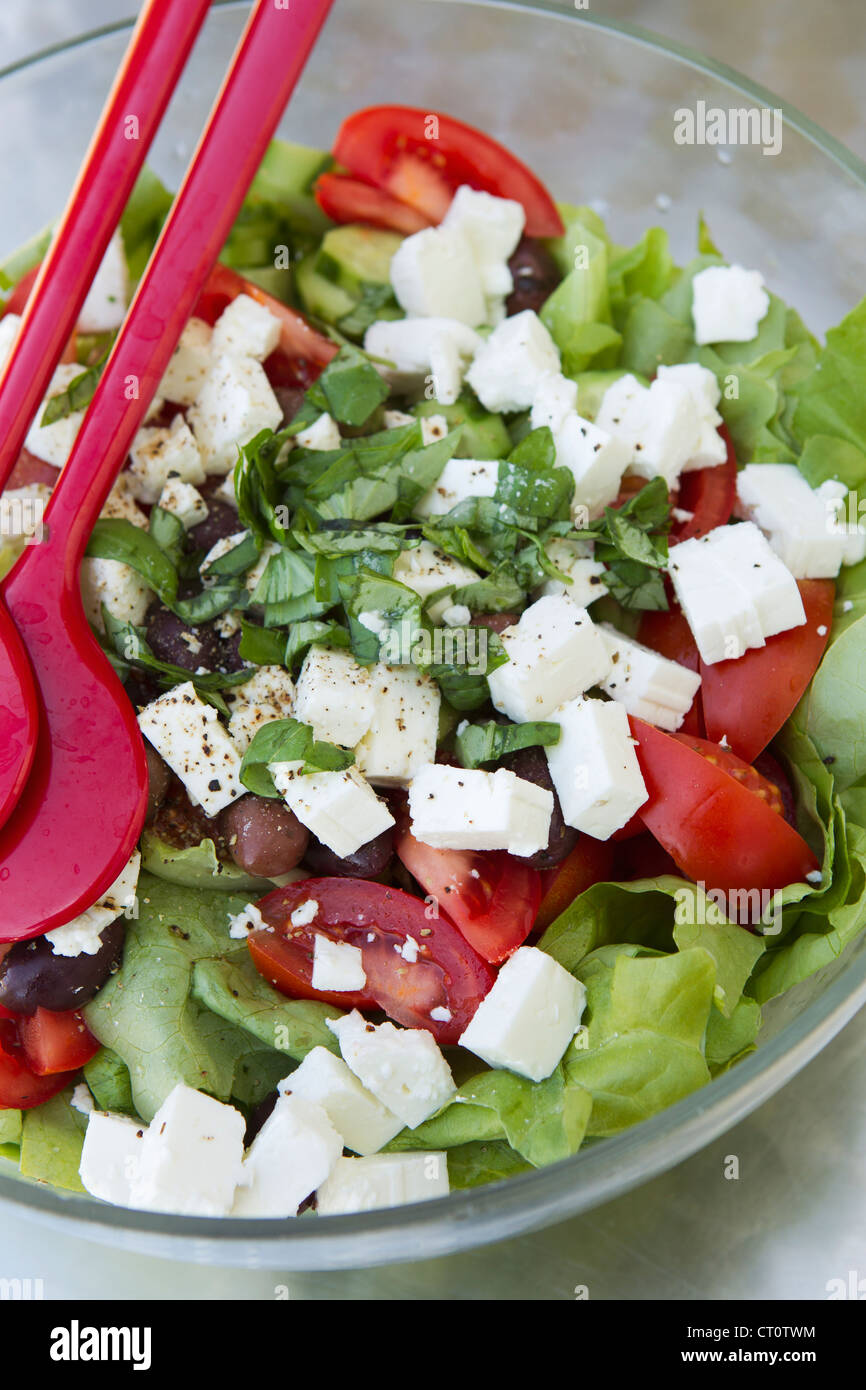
32,977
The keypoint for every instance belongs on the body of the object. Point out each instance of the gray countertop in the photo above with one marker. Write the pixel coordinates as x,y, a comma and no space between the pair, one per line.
795,1218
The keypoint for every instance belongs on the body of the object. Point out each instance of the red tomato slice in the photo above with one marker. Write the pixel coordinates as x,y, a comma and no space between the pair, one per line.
56,1042
591,861
748,700
422,158
29,469
345,199
669,634
714,826
492,897
302,352
709,493
447,973
741,771
20,1087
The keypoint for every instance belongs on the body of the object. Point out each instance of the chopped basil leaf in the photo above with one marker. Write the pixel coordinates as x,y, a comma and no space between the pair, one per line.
489,742
349,388
288,741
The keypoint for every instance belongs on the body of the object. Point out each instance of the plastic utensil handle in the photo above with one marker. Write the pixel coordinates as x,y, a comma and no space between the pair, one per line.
160,45
270,59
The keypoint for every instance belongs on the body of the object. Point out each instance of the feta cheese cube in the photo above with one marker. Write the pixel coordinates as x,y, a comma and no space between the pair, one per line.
191,1156
646,684
116,585
596,460
405,726
402,1067
734,591
363,1123
802,524
575,559
189,737
121,503
554,653
426,570
660,425
456,615
189,364
82,936
322,435
105,305
293,1154
270,685
53,443
704,390
110,1156
554,400
434,273
412,349
246,329
728,304
509,367
9,325
385,1180
594,767
460,808
459,480
183,501
340,808
334,696
493,226
337,965
529,1017
235,402
159,455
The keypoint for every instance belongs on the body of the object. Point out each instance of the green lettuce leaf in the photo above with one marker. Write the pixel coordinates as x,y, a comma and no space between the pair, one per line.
51,1142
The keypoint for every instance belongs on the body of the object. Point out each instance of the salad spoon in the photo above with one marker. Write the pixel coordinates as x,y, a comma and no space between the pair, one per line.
157,53
83,807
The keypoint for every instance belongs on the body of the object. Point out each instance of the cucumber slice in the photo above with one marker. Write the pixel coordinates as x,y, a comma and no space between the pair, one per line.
484,436
355,256
320,297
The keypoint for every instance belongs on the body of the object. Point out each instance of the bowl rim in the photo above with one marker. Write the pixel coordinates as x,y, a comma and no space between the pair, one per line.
605,1169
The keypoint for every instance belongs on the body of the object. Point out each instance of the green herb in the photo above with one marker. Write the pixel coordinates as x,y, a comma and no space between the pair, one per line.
349,388
77,396
490,742
288,741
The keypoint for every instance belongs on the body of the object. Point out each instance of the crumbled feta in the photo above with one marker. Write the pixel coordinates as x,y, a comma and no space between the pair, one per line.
411,349
574,559
456,615
337,966
459,480
81,1099
53,443
110,1157
189,737
459,808
160,454
293,1154
728,304
242,923
183,501
115,585
321,435
305,914
121,504
529,1017
427,570
235,402
81,937
493,227
402,1067
9,325
434,274
802,524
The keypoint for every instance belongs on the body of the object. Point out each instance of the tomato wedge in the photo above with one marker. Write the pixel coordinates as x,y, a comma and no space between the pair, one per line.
748,700
302,352
446,975
591,861
20,1087
56,1042
714,826
709,494
669,634
492,897
345,199
421,158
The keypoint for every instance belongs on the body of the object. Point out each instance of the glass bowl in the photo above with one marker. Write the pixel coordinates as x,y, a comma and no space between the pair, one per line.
592,107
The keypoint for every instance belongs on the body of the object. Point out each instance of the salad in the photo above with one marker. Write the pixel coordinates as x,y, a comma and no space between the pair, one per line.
489,594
